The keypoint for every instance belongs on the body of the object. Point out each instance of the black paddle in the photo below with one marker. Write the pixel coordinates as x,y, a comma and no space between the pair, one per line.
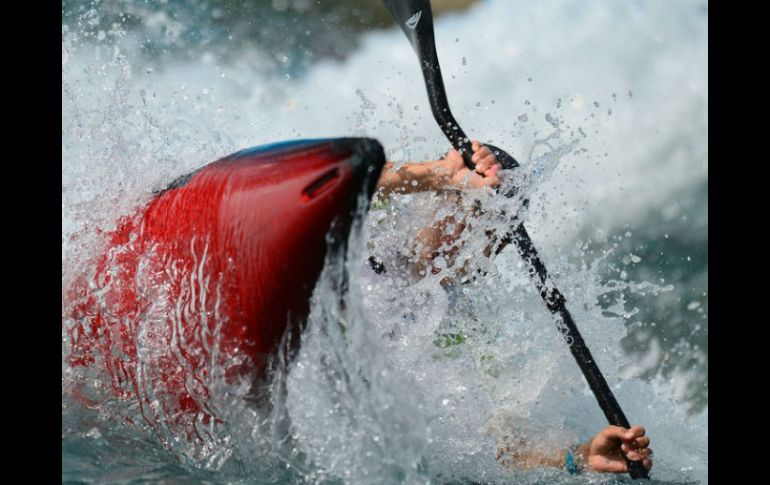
416,20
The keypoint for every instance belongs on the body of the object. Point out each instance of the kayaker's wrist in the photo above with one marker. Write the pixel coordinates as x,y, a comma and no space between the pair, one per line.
580,453
437,176
442,175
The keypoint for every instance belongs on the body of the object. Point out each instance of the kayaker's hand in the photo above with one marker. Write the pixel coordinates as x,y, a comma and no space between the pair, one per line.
605,452
453,171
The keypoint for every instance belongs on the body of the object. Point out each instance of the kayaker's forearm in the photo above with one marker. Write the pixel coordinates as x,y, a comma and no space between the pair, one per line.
410,177
532,459
528,459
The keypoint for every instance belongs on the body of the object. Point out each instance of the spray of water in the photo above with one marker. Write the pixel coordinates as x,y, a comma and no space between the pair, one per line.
403,377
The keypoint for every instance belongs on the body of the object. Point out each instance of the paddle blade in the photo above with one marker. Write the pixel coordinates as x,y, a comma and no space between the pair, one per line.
415,18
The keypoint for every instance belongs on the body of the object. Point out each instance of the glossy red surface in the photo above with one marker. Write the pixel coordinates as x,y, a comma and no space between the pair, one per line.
209,276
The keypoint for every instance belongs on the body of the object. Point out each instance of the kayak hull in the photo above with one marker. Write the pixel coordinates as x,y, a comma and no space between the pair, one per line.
202,284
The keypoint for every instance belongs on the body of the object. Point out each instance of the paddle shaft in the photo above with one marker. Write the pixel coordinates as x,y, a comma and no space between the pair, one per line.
556,303
439,105
416,20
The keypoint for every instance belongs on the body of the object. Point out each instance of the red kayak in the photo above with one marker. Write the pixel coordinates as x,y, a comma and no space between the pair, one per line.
211,274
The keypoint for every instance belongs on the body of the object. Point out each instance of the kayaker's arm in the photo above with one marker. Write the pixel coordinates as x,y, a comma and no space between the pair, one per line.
604,453
438,175
449,175
446,175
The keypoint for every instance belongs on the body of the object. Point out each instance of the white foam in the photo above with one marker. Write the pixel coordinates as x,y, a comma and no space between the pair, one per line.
627,80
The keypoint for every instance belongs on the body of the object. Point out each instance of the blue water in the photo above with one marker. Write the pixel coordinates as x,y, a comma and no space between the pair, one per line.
606,106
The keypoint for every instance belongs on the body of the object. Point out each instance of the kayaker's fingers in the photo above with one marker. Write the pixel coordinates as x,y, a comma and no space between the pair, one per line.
614,433
478,156
486,163
642,442
635,444
491,178
635,431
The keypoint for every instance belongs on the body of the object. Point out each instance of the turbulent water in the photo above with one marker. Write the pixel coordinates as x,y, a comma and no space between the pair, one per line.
401,380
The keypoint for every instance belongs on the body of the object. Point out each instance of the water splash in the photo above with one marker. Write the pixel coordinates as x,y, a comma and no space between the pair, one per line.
466,367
